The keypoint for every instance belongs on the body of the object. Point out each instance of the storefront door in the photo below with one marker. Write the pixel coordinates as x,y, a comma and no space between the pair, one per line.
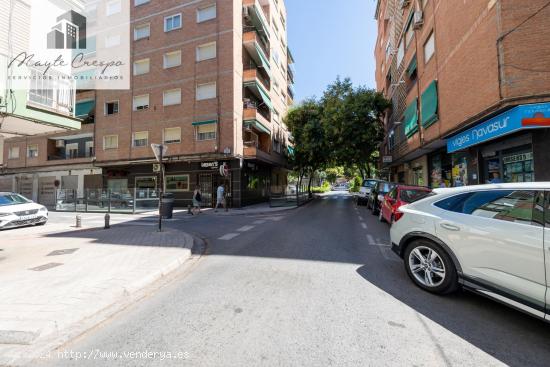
205,183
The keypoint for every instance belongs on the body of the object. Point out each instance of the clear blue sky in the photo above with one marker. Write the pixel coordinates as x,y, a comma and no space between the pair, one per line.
330,38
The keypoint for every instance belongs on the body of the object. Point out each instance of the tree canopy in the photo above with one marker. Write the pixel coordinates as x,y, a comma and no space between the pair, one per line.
342,128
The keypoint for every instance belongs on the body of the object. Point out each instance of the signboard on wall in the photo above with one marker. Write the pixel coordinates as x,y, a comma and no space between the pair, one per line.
387,159
210,165
521,117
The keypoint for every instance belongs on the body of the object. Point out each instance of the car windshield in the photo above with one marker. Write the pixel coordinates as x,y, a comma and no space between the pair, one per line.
12,199
385,187
410,196
369,183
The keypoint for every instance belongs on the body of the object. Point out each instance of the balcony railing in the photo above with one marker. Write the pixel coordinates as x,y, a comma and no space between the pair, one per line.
68,157
250,34
252,73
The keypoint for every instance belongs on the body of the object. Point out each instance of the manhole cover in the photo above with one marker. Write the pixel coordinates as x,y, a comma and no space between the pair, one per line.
62,252
45,266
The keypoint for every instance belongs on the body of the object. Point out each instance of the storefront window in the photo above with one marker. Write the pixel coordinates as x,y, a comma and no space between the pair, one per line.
518,167
118,185
440,171
177,183
460,170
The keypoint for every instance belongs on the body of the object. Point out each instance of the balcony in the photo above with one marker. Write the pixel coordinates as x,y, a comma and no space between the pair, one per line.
257,86
290,75
257,49
255,16
80,146
254,118
55,94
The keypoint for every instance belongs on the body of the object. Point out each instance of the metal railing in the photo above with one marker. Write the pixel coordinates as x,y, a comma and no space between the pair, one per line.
292,196
105,200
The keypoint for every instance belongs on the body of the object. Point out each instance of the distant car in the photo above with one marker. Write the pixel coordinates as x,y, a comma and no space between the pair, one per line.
18,211
490,239
117,200
365,190
377,195
399,196
340,187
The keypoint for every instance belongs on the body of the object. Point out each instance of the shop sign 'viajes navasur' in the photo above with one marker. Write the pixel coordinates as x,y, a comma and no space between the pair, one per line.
522,117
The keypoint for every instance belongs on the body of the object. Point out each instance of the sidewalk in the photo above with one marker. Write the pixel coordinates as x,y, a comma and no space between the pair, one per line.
262,208
54,284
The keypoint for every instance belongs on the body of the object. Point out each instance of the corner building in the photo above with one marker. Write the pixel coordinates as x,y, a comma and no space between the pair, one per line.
469,84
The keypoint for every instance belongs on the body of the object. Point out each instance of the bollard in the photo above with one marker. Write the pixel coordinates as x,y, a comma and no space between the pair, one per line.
107,220
78,221
189,209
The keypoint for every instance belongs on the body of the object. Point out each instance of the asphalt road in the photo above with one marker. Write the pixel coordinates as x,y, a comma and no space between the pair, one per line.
315,286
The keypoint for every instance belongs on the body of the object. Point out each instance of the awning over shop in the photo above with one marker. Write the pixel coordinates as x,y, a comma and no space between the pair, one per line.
411,118
258,125
206,122
83,109
412,66
429,105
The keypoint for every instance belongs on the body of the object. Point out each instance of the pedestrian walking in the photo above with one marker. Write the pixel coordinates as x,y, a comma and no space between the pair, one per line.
220,197
197,200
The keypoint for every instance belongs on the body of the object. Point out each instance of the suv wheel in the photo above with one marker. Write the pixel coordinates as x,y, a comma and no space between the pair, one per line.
430,267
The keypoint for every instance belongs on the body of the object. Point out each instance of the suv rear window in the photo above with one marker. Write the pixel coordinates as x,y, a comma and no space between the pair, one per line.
369,183
509,205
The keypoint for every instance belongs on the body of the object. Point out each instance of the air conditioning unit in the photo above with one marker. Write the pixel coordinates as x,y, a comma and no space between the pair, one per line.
418,19
60,143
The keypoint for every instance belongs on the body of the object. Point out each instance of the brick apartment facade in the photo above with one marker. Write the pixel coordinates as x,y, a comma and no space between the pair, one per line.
469,84
211,80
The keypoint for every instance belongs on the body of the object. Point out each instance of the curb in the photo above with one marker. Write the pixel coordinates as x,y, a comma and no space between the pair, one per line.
128,296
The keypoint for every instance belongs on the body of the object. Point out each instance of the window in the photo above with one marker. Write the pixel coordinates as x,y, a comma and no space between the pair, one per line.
276,57
112,41
207,13
276,116
400,52
140,2
177,183
172,135
172,59
89,146
206,132
508,205
207,51
206,91
172,22
111,108
141,102
32,151
141,67
409,33
71,150
110,142
429,48
114,7
13,153
140,139
142,31
172,97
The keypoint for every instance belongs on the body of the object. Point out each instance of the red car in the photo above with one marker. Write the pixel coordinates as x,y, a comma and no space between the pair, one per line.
400,195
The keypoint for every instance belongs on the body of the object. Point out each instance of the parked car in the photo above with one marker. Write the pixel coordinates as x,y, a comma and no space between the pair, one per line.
340,187
18,211
490,239
399,196
118,200
365,190
377,195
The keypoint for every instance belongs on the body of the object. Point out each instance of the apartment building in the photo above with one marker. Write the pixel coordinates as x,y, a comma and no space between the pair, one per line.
33,110
211,81
469,85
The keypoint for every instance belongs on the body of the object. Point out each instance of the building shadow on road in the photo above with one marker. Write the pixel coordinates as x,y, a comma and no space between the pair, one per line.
508,335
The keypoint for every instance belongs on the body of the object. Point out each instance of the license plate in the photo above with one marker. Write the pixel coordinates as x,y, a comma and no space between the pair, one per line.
28,217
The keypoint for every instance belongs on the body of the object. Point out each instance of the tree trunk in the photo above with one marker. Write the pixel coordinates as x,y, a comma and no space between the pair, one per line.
310,194
368,170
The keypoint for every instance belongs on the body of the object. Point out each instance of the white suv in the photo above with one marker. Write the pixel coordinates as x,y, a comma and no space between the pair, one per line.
491,239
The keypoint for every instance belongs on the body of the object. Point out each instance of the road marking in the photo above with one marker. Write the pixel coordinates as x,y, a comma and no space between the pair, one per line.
364,225
360,218
245,228
228,236
259,222
275,219
370,239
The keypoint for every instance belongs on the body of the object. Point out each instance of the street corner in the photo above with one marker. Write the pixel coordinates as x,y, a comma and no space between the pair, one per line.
57,285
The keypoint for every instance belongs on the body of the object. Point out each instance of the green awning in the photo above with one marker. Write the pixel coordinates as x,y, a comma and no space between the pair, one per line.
412,66
207,122
411,119
263,58
429,105
265,96
290,150
83,109
257,19
258,125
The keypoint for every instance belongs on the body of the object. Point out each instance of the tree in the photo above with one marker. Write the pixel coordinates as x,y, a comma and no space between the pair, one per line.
311,149
352,118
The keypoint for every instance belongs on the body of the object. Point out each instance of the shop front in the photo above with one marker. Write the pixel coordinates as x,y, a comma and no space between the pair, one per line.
510,147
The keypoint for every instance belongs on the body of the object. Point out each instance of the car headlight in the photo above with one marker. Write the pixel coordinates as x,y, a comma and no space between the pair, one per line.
43,209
